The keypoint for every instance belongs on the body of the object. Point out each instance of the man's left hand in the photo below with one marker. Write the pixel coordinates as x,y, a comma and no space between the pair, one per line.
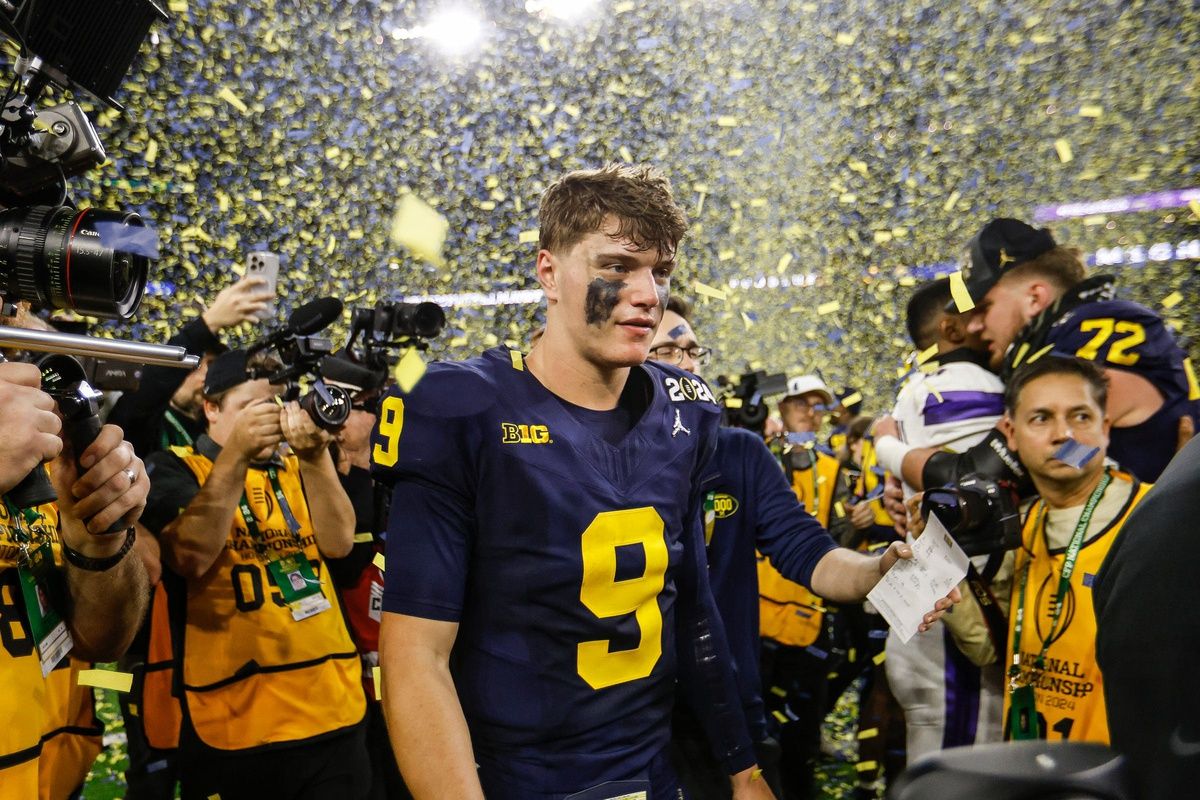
899,550
306,439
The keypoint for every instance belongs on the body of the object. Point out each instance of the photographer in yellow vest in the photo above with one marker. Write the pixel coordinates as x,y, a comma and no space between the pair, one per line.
1055,420
267,674
69,589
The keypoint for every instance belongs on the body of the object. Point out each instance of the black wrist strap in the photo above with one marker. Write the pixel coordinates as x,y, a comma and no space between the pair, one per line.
99,564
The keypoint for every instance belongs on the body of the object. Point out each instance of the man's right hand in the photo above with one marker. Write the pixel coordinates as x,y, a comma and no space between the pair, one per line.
257,427
30,426
241,302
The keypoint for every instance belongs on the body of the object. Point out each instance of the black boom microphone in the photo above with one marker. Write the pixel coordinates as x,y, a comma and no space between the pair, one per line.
313,316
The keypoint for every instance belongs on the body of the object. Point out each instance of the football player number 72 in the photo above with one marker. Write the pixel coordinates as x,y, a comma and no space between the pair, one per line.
605,596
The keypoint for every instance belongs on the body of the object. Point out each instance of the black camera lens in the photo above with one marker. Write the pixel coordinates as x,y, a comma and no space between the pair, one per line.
57,257
944,503
425,320
328,406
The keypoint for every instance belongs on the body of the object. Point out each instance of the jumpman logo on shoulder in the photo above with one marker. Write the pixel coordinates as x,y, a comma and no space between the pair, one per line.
679,426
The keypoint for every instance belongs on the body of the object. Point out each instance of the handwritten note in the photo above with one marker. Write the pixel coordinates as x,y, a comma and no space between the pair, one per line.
911,587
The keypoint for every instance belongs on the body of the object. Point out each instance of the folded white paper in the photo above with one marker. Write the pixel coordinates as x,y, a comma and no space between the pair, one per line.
912,587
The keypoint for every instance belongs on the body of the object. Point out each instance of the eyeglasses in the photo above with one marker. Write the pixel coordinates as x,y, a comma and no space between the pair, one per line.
673,353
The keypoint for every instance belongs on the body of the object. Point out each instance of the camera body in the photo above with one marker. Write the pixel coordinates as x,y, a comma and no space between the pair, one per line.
982,514
301,352
379,334
743,398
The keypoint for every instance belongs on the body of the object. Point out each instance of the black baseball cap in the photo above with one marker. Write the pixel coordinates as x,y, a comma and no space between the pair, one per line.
1000,245
226,371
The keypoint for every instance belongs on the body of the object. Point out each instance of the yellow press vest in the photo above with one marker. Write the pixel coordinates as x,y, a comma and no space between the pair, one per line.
1070,692
788,612
253,675
49,734
869,481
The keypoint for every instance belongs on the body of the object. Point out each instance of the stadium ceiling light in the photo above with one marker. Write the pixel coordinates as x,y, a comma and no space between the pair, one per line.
568,10
456,31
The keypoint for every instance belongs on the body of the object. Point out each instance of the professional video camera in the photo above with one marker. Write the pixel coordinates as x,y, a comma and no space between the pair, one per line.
52,254
379,334
742,399
980,513
302,353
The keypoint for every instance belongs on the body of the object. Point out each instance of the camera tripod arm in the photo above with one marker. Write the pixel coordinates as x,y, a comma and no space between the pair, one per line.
114,349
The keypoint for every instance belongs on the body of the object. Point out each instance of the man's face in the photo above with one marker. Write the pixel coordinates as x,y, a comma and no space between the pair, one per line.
607,296
1001,315
799,412
223,417
675,330
189,397
1049,411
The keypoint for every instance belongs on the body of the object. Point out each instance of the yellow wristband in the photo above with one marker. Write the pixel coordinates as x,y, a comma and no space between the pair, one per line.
756,775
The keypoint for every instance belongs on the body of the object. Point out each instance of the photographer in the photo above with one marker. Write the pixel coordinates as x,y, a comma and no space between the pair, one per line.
1055,689
1031,299
168,407
259,632
61,554
757,511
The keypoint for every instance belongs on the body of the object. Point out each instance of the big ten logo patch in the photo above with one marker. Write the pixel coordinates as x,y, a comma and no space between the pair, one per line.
724,505
685,389
511,433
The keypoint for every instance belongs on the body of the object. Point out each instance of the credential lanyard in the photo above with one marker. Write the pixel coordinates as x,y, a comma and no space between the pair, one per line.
284,507
182,437
1064,580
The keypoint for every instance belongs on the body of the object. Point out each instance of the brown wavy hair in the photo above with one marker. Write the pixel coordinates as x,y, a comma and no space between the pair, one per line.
639,197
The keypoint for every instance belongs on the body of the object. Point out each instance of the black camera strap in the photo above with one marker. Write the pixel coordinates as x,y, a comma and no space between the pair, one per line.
997,625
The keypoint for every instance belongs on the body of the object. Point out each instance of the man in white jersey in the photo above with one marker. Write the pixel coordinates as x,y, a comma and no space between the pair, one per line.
952,403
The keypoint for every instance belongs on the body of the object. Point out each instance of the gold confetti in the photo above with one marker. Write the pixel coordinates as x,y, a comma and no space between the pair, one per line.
1172,300
867,766
927,353
409,370
106,679
1063,148
228,96
704,290
378,561
528,237
418,227
851,399
868,733
364,537
958,291
785,261
1094,112
845,38
828,308
377,680
727,122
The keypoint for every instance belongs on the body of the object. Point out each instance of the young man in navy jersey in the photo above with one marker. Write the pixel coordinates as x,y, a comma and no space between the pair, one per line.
749,506
546,582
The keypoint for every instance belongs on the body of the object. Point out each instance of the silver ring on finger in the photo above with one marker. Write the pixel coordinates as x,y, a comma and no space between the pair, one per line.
130,473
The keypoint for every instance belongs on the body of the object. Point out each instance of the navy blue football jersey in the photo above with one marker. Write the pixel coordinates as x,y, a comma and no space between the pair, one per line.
569,563
1123,335
750,506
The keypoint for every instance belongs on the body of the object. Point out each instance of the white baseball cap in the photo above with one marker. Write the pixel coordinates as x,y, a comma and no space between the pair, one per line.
803,384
